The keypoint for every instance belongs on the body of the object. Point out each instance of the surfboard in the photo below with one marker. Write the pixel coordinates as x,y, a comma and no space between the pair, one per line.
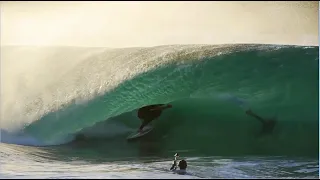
136,135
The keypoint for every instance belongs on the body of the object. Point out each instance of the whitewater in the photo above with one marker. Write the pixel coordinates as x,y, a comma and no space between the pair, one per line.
51,94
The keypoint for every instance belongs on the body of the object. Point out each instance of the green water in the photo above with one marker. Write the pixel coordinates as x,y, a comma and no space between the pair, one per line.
274,81
209,87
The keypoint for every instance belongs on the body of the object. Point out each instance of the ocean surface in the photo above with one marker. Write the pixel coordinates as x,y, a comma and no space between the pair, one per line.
51,95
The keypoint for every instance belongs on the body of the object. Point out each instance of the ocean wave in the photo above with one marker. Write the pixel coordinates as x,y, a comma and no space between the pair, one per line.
209,87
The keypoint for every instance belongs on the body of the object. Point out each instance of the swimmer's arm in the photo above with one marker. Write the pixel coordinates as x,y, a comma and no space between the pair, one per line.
159,107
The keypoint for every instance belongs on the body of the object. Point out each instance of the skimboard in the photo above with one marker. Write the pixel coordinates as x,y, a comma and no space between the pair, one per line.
136,135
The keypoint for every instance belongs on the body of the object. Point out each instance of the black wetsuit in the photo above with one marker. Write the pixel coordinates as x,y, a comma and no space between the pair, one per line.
146,115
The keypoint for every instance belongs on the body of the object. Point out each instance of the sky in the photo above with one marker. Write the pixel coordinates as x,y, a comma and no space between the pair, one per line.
132,24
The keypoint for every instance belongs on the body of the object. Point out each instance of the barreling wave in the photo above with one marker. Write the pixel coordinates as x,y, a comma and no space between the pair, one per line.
209,86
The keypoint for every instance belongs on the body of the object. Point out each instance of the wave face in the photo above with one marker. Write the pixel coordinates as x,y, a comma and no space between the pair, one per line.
210,87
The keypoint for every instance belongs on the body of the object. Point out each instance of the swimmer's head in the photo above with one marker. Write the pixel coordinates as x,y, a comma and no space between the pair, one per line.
183,164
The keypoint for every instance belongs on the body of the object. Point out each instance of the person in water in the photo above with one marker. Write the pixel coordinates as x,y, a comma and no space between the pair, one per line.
150,113
182,166
267,124
174,165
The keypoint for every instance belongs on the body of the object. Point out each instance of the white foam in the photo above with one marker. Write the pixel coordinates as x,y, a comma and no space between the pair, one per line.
25,139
